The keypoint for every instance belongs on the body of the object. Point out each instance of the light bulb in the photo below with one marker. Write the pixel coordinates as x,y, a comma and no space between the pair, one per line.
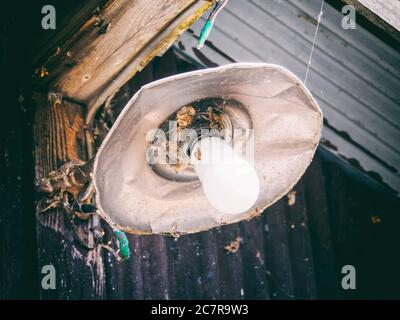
229,182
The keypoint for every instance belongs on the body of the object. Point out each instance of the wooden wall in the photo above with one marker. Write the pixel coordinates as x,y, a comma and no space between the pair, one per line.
289,252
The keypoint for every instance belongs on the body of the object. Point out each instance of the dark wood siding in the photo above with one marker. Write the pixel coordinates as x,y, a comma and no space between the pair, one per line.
294,251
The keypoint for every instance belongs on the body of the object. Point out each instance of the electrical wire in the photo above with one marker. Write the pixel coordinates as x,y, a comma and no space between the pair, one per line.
321,12
222,5
205,32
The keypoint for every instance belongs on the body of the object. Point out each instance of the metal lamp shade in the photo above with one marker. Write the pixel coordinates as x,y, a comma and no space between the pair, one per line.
287,125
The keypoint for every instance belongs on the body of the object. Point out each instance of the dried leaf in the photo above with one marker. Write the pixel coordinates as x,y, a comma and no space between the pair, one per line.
375,219
291,197
197,154
42,72
234,246
185,116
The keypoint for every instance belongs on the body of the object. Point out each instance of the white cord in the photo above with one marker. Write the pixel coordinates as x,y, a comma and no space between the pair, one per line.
225,2
315,39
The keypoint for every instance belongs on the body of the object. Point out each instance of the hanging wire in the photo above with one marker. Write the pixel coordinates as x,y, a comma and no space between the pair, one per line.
205,32
314,41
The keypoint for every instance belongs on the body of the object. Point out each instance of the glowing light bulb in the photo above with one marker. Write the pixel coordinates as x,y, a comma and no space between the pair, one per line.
229,182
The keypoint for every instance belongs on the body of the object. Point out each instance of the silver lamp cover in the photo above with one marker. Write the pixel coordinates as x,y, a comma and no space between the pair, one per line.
286,123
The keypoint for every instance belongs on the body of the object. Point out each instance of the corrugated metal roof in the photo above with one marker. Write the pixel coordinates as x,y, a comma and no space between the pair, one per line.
354,76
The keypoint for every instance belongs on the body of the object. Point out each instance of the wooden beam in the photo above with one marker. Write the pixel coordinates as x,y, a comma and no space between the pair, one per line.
59,137
384,15
388,10
71,16
115,43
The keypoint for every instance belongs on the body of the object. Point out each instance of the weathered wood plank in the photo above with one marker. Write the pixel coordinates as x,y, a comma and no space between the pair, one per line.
320,231
300,246
115,43
384,14
154,267
70,17
277,252
255,280
59,137
210,270
387,10
17,223
364,224
186,277
230,275
342,223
